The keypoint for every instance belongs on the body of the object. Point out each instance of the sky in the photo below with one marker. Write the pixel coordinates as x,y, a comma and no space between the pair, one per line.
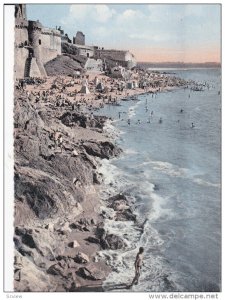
154,32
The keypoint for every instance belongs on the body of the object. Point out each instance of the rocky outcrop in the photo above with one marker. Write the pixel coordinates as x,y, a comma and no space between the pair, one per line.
39,165
84,120
91,273
115,242
52,184
122,207
101,149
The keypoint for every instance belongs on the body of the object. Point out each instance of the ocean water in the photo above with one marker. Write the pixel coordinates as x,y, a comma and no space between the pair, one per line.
172,175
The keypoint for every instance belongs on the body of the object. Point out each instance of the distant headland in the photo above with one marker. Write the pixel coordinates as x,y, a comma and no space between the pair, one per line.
178,65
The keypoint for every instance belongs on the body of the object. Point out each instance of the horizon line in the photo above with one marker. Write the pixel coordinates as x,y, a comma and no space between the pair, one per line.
179,62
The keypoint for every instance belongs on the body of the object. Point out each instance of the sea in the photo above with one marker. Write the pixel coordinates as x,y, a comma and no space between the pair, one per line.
170,170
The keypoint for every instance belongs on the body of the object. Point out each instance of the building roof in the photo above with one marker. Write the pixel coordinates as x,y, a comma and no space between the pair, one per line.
83,47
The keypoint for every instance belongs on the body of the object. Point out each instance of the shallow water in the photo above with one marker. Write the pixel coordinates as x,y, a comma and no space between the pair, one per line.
172,173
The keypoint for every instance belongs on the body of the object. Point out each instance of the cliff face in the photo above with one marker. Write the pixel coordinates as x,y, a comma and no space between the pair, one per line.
56,175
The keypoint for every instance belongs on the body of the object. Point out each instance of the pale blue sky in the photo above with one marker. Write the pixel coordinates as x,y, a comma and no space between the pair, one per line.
151,32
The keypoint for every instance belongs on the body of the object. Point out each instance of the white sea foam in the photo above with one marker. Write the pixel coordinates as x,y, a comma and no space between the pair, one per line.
113,178
206,183
167,168
111,130
175,171
131,111
130,151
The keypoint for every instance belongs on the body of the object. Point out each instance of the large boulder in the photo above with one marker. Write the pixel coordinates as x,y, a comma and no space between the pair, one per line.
102,149
115,242
75,118
81,258
91,272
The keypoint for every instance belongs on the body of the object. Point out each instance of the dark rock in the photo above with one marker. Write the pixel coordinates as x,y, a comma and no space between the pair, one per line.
81,258
73,244
100,231
93,222
91,273
117,197
115,242
93,239
126,215
56,269
28,240
75,118
76,226
25,237
104,244
102,149
84,221
97,179
85,228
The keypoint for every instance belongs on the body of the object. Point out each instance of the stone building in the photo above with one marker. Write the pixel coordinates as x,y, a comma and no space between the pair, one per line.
87,51
78,44
79,39
121,57
34,45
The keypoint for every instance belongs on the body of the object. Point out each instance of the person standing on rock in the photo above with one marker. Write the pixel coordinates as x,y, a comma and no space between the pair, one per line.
138,265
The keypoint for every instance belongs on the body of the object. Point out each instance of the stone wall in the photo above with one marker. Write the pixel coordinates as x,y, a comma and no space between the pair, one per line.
34,69
51,39
48,54
20,40
50,44
21,33
124,58
20,57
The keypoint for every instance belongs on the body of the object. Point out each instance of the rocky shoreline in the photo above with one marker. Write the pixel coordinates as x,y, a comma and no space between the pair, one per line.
58,229
59,226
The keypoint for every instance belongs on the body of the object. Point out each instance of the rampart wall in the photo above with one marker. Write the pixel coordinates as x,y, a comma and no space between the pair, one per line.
20,57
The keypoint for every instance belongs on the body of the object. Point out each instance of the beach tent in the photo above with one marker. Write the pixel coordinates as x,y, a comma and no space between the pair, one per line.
135,84
84,90
129,85
85,82
143,84
100,87
96,81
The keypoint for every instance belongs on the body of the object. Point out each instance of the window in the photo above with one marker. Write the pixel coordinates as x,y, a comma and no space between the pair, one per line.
39,42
